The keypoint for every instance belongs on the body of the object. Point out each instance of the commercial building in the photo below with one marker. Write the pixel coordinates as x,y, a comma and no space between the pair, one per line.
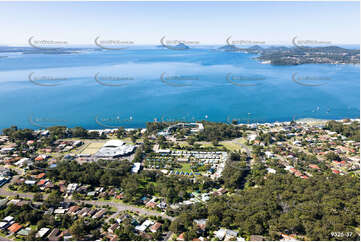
113,149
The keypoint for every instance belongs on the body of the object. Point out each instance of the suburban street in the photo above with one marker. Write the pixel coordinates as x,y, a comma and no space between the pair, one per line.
123,207
119,206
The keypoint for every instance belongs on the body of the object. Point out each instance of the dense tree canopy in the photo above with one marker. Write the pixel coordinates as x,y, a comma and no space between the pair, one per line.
134,186
218,131
313,208
351,131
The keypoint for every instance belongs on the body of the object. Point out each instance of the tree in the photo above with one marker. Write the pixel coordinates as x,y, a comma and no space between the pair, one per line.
79,132
333,156
121,133
38,197
31,236
215,142
54,199
133,138
191,140
78,229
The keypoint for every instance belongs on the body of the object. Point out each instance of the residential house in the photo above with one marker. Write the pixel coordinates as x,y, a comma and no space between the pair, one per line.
99,214
54,235
181,237
201,223
220,234
73,209
256,238
42,232
144,225
24,232
14,228
231,234
154,228
112,228
150,204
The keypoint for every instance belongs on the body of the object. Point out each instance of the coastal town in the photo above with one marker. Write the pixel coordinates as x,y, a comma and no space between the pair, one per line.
165,181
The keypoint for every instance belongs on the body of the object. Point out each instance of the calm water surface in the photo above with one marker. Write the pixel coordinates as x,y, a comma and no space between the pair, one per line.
99,89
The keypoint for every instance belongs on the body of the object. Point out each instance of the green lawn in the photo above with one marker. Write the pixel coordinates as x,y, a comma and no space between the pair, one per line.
205,144
186,167
232,145
92,148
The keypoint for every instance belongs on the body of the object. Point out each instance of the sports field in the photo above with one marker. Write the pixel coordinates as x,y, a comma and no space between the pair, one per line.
92,148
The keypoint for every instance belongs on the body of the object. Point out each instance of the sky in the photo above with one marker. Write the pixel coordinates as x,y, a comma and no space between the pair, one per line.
202,22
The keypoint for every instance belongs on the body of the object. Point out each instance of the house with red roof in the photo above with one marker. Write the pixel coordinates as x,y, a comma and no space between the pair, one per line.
313,166
41,182
293,170
151,204
73,209
40,176
154,228
14,228
181,237
336,171
298,174
339,163
30,142
39,158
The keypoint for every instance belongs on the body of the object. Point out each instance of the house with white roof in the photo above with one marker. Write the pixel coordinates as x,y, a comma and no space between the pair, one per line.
144,225
42,232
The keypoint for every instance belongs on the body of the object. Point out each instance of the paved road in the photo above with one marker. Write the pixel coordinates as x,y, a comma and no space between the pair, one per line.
114,215
238,142
168,236
4,192
14,178
118,206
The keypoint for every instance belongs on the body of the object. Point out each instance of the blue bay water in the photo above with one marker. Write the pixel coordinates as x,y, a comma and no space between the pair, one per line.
136,86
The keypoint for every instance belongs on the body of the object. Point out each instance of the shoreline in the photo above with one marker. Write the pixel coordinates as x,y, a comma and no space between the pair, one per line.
308,121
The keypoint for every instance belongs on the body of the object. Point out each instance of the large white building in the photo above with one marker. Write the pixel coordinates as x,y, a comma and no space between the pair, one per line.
114,148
